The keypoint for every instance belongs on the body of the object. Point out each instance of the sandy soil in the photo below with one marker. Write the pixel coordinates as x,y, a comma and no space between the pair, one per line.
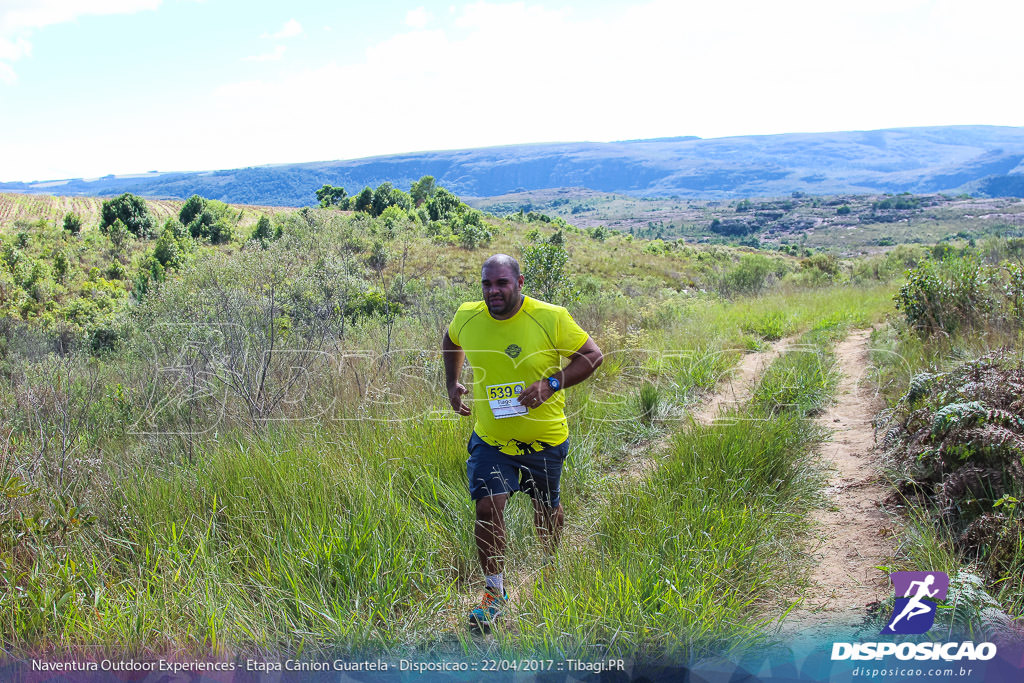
737,388
852,535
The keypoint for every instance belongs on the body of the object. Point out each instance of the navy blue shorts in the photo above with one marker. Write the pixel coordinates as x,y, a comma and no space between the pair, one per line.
492,472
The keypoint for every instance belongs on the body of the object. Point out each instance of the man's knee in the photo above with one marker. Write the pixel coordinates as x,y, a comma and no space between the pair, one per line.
557,514
541,508
491,508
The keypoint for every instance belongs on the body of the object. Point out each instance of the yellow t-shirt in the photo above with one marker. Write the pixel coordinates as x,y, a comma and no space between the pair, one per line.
509,355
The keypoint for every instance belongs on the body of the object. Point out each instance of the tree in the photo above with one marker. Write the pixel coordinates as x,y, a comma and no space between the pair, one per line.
364,200
443,205
386,196
328,195
73,223
422,190
222,231
544,271
381,198
201,225
192,207
131,211
264,232
119,234
173,245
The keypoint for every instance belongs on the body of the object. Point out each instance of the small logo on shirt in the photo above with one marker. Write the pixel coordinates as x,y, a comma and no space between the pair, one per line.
513,350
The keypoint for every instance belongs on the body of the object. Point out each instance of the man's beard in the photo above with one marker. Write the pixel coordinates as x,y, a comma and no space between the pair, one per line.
507,305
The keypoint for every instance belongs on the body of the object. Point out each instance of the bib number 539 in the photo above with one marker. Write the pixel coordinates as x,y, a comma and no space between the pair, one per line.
502,399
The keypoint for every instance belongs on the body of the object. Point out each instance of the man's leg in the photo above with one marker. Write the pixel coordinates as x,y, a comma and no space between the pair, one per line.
549,522
490,533
541,479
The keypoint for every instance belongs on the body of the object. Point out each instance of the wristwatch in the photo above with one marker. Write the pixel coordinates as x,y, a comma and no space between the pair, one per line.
554,384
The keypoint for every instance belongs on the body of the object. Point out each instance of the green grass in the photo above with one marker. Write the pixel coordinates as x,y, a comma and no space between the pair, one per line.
680,561
355,535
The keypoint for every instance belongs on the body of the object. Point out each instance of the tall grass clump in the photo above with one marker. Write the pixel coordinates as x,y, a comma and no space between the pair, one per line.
648,400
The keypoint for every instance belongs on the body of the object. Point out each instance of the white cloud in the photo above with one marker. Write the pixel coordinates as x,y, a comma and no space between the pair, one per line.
7,74
503,73
290,29
18,15
275,55
520,72
417,18
19,18
14,49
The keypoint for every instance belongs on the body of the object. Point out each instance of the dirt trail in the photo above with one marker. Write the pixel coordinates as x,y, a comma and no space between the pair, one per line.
642,458
735,389
852,536
738,387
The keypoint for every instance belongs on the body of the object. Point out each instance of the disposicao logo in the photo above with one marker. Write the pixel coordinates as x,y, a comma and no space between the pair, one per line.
916,596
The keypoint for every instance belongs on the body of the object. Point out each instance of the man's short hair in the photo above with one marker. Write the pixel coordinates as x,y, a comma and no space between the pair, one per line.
502,260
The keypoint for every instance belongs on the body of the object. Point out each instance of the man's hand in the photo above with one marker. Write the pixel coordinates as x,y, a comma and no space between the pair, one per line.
536,393
455,394
453,358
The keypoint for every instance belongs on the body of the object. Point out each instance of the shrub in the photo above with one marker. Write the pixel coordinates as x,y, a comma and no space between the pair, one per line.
543,267
131,211
264,233
947,295
191,209
72,223
749,276
473,236
443,205
173,244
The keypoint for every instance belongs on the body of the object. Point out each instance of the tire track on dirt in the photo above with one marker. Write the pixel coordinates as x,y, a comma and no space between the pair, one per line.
852,535
734,389
741,382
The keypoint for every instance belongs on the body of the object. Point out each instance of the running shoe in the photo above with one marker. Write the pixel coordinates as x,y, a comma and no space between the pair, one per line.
491,607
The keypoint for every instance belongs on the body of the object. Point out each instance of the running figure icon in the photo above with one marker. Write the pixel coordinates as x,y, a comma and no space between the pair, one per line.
915,606
917,595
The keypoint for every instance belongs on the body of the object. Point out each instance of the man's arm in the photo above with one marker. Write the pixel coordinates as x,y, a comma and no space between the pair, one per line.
454,356
581,366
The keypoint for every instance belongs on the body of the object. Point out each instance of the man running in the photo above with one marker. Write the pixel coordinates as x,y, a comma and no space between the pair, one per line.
514,344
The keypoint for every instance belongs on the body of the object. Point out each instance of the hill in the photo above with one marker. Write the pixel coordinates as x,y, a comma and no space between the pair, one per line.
847,224
986,160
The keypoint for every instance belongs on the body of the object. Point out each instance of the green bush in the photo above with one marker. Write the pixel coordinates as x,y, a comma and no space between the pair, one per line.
472,236
264,232
191,209
131,211
543,267
749,276
72,223
443,205
947,295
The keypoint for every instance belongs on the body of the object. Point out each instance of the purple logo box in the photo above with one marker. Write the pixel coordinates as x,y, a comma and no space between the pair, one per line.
901,582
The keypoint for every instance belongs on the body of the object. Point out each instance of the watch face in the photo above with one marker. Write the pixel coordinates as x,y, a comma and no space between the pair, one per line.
554,383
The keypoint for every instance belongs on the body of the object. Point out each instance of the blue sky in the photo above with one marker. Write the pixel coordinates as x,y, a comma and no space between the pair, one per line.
90,87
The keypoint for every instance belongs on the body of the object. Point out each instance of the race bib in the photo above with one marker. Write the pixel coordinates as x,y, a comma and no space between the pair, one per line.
503,399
